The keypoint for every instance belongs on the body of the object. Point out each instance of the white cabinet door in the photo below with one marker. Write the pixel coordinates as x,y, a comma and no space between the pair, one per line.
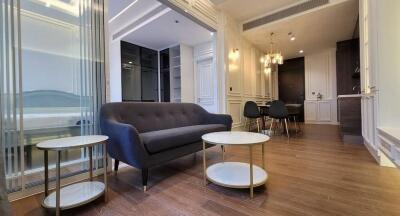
318,111
324,111
205,88
311,110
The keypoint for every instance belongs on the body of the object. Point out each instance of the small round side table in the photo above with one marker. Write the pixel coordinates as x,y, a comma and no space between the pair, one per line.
77,194
236,174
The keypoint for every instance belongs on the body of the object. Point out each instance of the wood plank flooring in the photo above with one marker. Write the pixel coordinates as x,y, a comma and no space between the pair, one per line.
313,174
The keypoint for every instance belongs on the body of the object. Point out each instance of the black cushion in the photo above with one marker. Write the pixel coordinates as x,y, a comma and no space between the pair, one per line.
161,140
146,117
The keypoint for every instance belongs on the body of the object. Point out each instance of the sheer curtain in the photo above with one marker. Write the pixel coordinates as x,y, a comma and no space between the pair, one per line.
52,84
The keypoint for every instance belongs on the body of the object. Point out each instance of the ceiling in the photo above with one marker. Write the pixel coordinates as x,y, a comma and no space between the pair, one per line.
243,10
164,32
114,7
314,31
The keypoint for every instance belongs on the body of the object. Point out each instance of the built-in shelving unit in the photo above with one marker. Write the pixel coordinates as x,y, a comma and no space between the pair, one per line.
181,74
175,72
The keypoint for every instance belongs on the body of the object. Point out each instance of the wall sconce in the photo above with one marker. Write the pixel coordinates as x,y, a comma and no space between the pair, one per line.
234,55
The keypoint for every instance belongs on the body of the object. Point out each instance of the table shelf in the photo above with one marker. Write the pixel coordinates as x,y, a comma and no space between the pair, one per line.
75,195
235,174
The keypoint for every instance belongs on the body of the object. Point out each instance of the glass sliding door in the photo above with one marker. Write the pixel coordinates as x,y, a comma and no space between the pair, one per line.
10,88
139,67
61,59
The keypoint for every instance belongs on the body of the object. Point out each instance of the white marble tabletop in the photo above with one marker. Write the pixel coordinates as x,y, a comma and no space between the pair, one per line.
72,142
288,105
235,138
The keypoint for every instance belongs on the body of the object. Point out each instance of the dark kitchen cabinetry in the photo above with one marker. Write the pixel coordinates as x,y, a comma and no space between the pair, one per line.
348,67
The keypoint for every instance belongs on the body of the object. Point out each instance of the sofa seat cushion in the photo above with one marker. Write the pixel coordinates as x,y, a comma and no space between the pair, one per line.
162,140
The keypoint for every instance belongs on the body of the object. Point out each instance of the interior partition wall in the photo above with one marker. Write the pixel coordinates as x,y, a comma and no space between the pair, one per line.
51,85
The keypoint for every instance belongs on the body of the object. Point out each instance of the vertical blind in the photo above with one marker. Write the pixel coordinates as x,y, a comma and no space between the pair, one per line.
52,83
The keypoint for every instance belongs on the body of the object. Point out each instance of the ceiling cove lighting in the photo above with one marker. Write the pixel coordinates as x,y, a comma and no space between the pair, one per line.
123,11
273,56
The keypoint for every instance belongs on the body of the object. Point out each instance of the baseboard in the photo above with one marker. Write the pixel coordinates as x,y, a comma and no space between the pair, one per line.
318,122
373,152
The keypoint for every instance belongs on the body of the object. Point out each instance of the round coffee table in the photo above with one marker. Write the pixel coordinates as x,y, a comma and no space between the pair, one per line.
79,193
235,174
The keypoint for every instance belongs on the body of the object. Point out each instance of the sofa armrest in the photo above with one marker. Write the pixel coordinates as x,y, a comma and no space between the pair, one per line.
124,143
219,119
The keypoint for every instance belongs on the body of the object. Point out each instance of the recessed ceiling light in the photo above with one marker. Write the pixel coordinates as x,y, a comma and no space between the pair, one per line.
211,33
301,51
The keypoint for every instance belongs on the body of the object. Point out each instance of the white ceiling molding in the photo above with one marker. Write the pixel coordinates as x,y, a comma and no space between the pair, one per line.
148,17
123,11
203,12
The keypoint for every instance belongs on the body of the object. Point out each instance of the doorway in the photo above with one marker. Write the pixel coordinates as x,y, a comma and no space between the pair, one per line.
206,84
291,83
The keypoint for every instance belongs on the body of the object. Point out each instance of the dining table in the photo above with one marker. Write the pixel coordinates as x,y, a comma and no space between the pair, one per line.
264,109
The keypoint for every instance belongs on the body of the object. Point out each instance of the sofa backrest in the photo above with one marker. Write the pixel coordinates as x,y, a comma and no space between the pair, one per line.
149,116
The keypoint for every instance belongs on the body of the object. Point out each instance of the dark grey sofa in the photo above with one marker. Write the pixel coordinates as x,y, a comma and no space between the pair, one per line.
144,135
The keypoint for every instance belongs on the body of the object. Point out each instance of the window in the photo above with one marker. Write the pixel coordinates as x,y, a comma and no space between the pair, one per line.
53,83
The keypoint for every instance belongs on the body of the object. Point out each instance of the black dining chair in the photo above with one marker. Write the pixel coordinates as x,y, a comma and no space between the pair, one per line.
251,112
264,113
294,112
278,111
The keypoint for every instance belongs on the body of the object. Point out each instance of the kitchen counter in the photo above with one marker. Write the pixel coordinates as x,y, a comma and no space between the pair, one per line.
350,96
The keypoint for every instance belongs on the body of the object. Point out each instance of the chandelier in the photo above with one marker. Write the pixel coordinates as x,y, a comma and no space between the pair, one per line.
272,57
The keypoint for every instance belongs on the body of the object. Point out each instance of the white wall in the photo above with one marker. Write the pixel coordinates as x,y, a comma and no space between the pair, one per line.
388,39
380,79
115,71
244,76
187,74
320,77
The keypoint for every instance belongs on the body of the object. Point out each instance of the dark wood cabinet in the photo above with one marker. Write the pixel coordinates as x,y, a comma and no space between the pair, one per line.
347,67
348,83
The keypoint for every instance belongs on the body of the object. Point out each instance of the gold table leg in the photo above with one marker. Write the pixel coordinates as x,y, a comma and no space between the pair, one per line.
46,173
223,153
263,156
90,163
58,179
251,172
204,164
105,164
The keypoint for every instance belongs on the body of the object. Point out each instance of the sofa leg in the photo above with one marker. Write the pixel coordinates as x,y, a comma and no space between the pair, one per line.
116,163
145,175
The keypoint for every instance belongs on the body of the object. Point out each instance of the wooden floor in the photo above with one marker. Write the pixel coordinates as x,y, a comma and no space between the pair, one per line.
313,174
